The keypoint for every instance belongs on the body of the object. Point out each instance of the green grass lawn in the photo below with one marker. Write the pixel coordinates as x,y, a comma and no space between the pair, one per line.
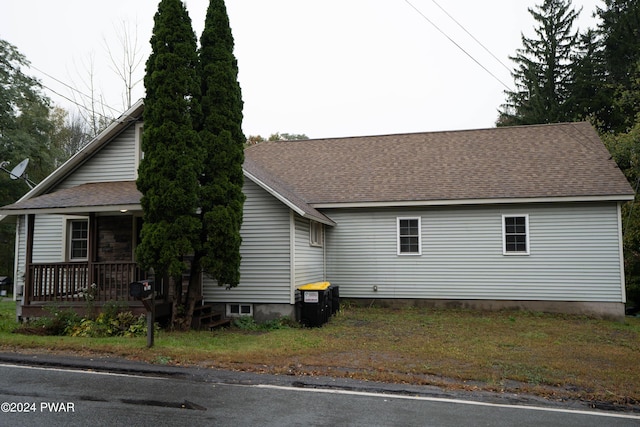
552,355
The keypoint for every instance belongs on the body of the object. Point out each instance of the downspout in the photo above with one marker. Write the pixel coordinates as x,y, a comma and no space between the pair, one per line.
31,219
324,253
93,245
292,257
20,224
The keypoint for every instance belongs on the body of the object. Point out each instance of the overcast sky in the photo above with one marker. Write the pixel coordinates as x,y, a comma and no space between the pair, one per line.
325,68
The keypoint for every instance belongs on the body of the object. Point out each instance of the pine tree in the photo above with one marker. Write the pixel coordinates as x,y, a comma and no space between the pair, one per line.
620,29
543,71
589,94
168,173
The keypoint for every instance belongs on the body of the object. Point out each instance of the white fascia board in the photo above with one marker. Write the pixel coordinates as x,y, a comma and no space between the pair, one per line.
74,210
88,150
284,200
411,203
274,193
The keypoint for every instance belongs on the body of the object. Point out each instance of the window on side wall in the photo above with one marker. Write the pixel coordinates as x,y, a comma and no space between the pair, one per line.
78,239
515,234
409,236
316,235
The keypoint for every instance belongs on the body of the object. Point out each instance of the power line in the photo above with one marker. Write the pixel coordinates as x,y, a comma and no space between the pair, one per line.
471,35
76,103
458,46
74,90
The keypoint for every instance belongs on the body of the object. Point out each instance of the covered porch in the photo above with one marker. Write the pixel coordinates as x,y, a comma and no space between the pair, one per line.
93,262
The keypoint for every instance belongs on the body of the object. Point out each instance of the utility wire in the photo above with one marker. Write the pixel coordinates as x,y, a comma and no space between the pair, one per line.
471,35
76,103
458,46
73,89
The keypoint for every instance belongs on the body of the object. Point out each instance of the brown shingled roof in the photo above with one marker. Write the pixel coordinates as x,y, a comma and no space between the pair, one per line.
90,196
540,161
522,162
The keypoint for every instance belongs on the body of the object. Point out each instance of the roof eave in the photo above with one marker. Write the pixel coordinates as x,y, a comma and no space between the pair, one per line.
319,218
87,151
459,202
74,210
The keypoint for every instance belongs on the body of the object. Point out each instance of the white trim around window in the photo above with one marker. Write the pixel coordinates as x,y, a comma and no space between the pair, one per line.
515,234
409,236
139,154
316,234
76,238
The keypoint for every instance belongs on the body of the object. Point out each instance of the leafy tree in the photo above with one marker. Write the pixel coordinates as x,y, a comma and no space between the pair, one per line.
25,124
221,197
620,37
25,127
70,133
168,174
624,148
543,71
256,139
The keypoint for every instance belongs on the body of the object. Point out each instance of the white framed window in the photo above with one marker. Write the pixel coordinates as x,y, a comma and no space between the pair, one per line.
77,240
515,234
409,236
316,233
239,310
139,154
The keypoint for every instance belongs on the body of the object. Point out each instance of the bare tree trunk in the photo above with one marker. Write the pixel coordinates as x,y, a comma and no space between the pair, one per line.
194,290
125,64
176,297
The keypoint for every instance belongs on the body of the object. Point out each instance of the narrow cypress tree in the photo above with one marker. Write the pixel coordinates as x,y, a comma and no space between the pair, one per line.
168,173
221,196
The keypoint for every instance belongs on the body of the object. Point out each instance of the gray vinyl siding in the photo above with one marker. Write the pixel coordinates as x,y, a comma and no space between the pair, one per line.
266,269
574,254
48,237
309,260
114,162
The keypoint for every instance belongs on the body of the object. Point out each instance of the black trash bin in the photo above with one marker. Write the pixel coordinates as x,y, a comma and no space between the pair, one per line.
315,300
335,298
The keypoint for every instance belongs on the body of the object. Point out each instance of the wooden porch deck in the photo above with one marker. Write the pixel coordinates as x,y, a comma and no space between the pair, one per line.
82,286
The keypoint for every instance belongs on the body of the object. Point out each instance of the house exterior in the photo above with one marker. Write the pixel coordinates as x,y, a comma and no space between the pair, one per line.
517,217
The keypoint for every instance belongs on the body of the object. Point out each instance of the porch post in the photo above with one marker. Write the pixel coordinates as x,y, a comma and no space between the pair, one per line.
31,219
93,245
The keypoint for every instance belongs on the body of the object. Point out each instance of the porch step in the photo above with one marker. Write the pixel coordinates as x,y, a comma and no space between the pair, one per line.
205,317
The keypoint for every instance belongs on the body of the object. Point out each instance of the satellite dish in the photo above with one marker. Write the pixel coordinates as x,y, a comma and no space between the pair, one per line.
18,171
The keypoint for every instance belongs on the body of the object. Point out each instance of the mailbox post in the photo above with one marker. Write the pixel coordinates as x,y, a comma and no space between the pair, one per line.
145,291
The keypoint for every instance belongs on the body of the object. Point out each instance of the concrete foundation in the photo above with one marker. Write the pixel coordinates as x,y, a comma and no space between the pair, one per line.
602,310
265,312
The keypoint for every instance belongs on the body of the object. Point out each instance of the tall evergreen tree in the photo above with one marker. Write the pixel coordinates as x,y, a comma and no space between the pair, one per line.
543,71
589,95
168,173
620,29
221,196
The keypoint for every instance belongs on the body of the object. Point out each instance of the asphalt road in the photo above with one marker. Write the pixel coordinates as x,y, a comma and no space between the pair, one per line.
37,390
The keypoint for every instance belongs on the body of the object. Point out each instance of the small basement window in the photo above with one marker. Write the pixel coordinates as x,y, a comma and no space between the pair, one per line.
515,234
239,310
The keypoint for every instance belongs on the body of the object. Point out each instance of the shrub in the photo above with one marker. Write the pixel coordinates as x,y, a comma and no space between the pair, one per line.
59,322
